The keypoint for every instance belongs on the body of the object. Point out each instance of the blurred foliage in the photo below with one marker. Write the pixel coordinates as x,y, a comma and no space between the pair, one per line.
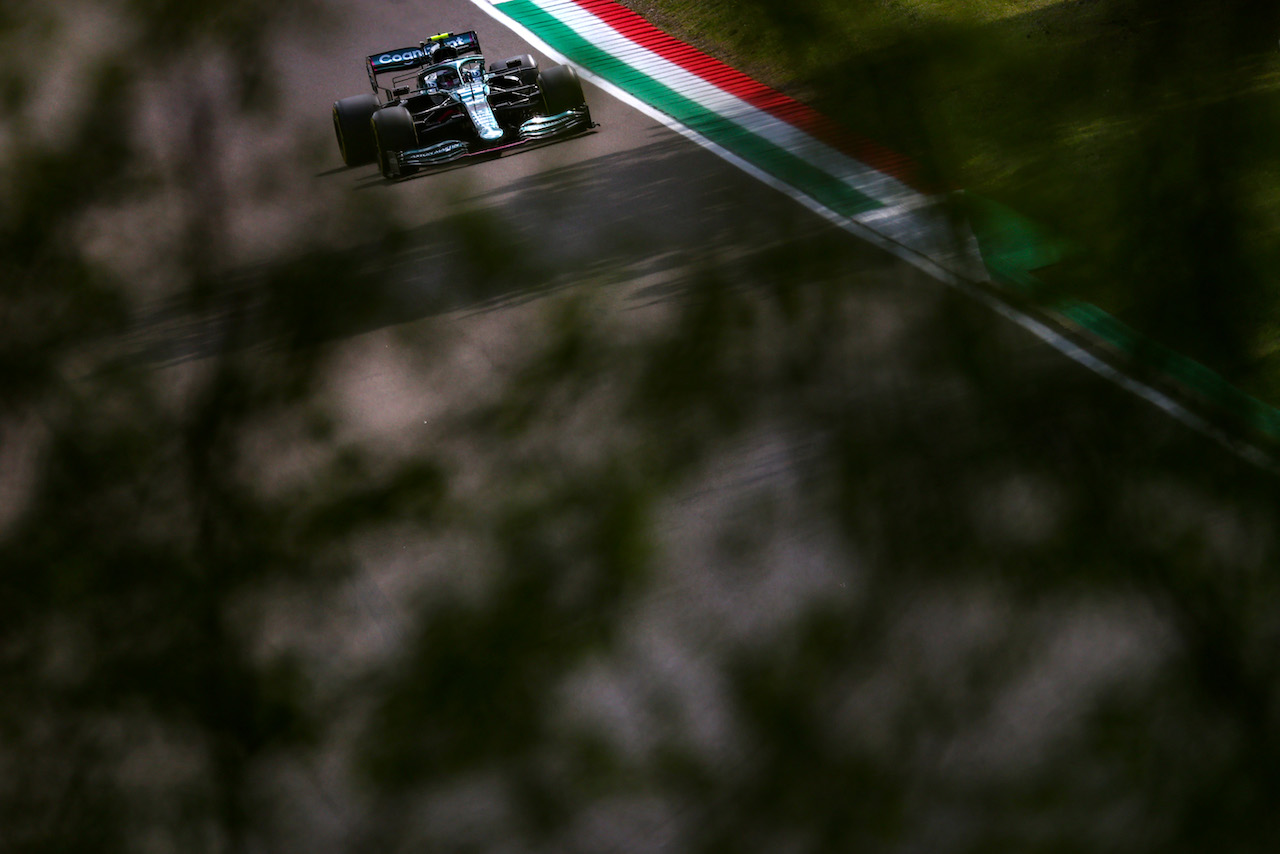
1143,132
139,703
774,559
1035,629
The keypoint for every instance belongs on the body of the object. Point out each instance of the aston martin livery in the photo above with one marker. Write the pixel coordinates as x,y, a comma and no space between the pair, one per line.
443,103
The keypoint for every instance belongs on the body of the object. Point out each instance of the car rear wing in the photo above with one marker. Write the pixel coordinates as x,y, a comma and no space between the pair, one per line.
423,54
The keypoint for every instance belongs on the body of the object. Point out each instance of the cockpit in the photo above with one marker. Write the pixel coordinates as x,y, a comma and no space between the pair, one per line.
446,78
442,78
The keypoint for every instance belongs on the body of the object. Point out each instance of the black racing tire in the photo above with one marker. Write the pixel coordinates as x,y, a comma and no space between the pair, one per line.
561,89
393,131
355,134
523,62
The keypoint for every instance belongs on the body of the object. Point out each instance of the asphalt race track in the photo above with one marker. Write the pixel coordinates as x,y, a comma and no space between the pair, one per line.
857,447
629,213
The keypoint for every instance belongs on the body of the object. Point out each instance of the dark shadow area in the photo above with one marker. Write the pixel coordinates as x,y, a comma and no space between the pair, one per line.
1142,133
1019,624
756,541
667,216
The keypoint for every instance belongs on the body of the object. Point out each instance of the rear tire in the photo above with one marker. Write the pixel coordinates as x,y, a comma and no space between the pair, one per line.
561,89
351,124
393,132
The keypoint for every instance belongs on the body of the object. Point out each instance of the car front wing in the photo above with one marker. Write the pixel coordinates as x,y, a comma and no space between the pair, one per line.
535,129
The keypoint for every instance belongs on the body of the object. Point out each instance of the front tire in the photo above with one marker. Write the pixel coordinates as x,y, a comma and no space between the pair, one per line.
561,89
351,124
393,132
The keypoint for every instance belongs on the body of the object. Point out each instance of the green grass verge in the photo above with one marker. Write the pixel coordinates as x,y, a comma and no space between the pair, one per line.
1146,135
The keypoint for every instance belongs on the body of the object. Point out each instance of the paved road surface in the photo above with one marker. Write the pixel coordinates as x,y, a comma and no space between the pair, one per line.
865,445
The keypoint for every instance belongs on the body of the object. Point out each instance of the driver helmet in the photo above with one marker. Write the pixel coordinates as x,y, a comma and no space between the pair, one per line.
447,78
443,53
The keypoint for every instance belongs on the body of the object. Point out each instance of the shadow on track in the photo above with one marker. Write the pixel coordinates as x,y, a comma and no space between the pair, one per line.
542,234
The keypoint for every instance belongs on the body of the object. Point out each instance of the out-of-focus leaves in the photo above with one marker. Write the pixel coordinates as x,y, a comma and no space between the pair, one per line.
806,565
1141,132
141,705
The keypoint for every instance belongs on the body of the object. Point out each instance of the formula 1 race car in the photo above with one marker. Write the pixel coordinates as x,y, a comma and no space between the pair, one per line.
449,105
